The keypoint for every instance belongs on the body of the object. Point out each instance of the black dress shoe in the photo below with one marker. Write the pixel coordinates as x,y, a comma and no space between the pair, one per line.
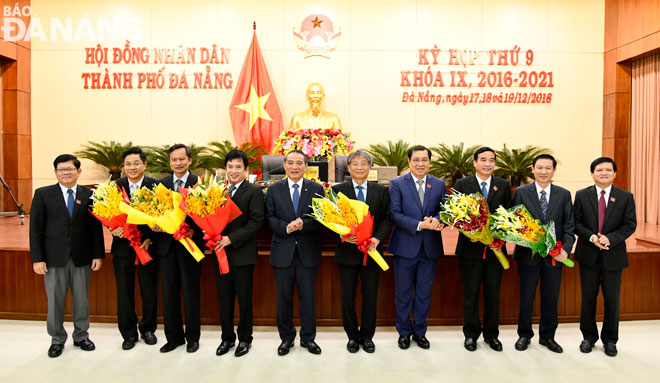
85,344
167,347
494,343
404,342
128,344
551,345
586,346
242,349
224,347
352,346
422,341
284,347
522,343
192,346
311,346
368,346
55,350
610,349
470,344
149,338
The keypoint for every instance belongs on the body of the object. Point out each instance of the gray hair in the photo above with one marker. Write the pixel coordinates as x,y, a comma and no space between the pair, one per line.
362,153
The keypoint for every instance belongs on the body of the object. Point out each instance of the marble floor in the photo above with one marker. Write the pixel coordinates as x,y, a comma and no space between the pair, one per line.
24,345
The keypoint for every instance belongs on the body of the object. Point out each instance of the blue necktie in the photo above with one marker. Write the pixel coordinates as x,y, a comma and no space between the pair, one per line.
70,202
360,193
484,190
232,189
544,204
296,198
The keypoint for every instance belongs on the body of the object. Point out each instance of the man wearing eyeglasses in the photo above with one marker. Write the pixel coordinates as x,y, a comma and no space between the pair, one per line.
66,245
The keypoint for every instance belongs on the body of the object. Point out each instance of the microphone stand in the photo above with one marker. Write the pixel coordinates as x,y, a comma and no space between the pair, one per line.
20,212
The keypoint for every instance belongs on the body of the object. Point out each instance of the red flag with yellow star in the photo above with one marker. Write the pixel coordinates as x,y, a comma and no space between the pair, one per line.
254,111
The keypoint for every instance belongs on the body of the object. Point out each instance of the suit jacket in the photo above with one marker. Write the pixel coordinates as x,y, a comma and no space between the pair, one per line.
379,206
620,223
499,194
406,213
242,231
54,236
121,247
279,213
560,210
163,241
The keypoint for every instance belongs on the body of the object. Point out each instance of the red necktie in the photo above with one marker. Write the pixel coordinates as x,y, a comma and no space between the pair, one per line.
601,211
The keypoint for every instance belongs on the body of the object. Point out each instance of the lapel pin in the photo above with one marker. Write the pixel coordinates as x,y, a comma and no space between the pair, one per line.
78,201
494,188
428,186
612,199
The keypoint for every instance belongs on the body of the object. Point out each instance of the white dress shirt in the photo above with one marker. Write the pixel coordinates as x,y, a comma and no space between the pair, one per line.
65,192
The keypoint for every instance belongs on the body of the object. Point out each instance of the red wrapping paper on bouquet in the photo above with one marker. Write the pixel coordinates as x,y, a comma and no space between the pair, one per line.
131,233
213,225
362,233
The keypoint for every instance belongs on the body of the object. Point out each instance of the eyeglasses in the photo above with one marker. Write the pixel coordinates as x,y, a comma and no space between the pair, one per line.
66,170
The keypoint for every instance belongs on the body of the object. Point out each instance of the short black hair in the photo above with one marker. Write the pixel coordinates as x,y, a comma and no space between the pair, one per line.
417,148
299,152
483,149
179,146
601,160
234,154
66,158
545,156
134,150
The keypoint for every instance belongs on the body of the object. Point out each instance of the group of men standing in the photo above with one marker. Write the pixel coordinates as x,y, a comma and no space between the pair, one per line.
66,244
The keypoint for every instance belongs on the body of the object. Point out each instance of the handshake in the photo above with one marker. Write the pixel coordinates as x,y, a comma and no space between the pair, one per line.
431,223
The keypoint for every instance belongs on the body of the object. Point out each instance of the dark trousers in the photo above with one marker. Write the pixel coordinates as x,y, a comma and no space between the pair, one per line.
127,319
476,272
286,279
413,284
348,278
591,279
179,269
550,285
236,284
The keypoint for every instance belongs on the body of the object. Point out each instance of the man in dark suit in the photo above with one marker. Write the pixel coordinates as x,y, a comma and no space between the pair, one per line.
604,218
135,161
545,202
416,243
240,243
350,260
478,264
177,267
66,245
295,250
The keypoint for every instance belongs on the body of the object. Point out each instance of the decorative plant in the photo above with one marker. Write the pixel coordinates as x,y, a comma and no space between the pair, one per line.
158,160
392,154
218,151
106,154
515,165
452,163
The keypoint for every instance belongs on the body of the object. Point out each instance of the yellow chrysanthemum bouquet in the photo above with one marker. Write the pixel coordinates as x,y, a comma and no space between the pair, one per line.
160,206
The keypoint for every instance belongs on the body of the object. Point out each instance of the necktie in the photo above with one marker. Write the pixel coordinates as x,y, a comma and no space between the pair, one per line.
177,185
484,190
296,198
601,211
420,191
133,187
232,189
360,193
70,202
544,204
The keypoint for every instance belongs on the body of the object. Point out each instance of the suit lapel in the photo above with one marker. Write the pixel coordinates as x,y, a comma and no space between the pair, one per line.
59,200
410,182
427,193
492,189
370,194
80,195
552,204
593,201
350,190
286,196
611,204
534,199
305,197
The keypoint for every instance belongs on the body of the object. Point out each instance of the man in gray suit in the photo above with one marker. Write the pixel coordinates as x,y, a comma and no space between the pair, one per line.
66,244
545,202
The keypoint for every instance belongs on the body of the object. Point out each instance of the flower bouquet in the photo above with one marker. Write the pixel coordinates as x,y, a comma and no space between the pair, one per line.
209,205
518,226
160,206
106,208
314,142
348,217
469,214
